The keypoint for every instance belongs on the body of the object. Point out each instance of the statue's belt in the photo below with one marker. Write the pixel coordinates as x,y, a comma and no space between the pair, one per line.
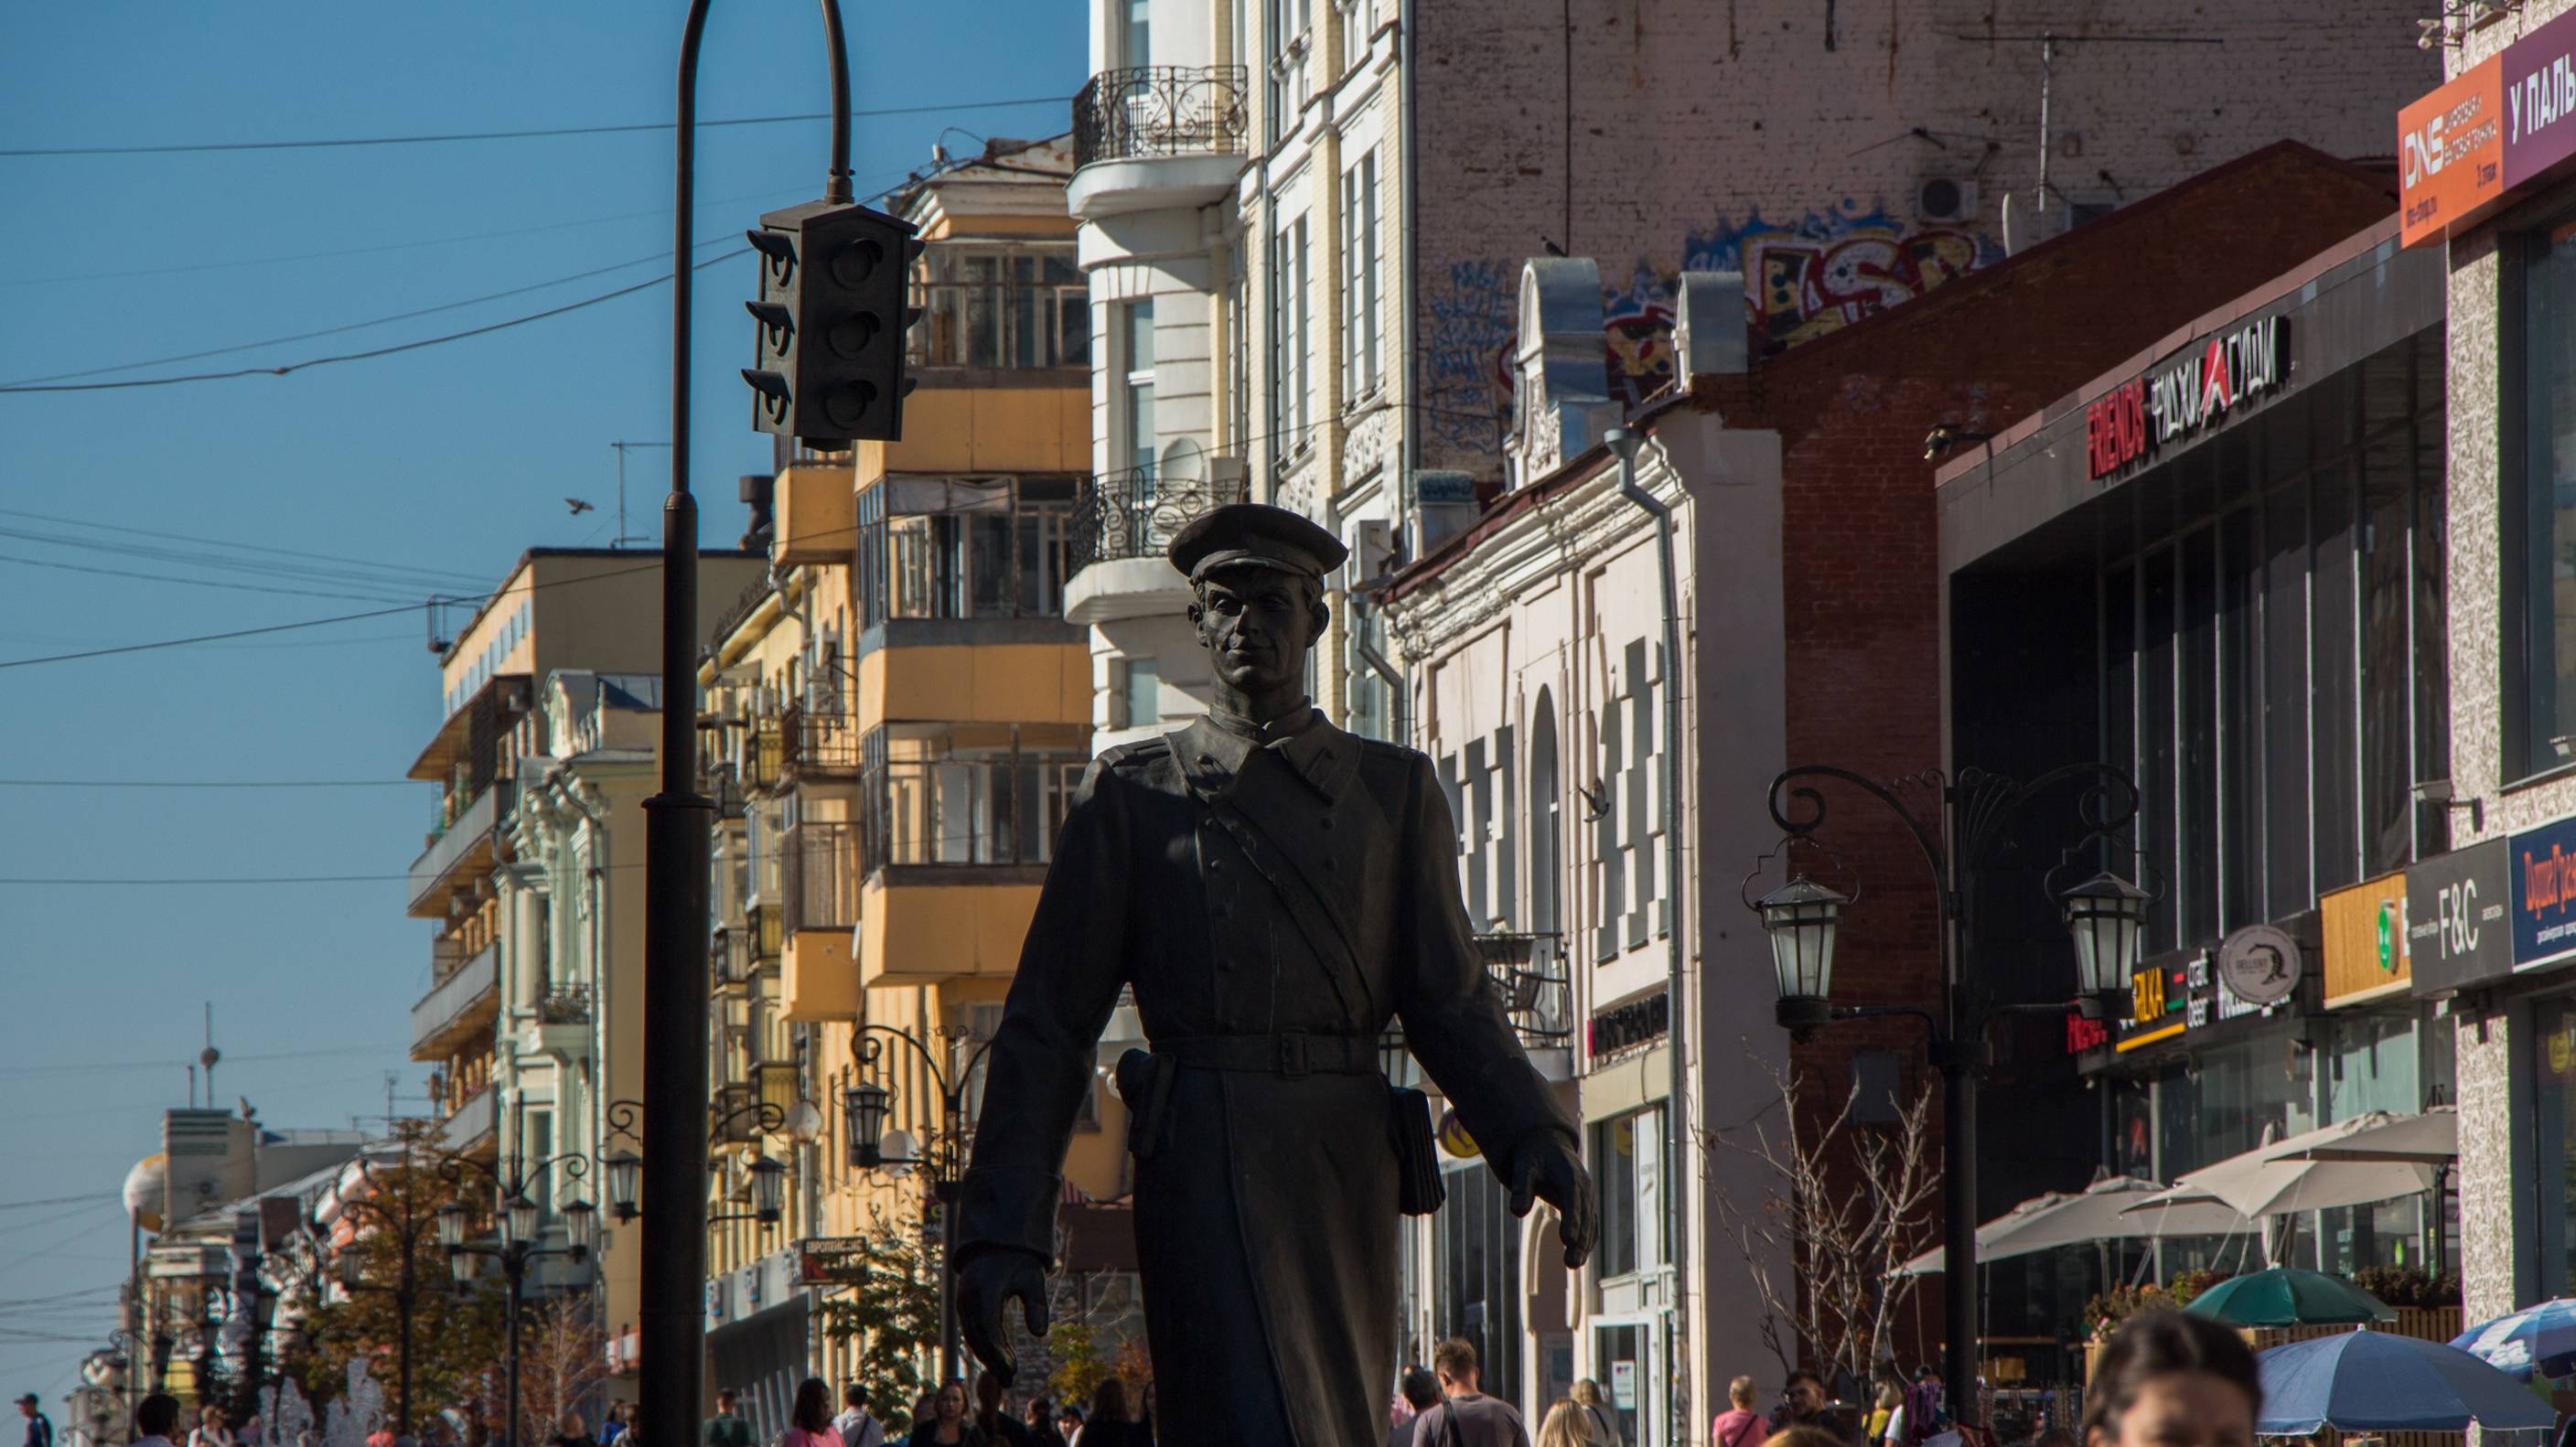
1288,1054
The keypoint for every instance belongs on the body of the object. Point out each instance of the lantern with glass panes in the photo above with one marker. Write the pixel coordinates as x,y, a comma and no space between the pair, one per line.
1962,827
800,1121
517,1242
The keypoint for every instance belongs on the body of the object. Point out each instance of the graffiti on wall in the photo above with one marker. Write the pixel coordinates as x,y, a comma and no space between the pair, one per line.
1803,279
1828,269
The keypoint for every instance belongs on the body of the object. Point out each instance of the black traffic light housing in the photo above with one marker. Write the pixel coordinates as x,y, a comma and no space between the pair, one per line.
835,283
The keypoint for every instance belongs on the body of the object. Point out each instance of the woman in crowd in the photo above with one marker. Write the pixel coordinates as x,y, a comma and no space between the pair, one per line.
2168,1379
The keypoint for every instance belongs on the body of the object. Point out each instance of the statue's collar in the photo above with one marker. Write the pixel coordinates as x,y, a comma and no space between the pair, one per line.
1214,747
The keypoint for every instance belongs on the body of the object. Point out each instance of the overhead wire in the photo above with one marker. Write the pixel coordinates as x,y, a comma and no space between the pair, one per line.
373,352
451,573
532,133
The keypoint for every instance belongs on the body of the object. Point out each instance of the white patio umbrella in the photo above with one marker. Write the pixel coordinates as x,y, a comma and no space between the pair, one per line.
2083,1218
2283,1176
2430,1139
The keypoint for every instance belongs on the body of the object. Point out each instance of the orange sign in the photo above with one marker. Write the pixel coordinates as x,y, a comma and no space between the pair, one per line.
2365,941
2450,153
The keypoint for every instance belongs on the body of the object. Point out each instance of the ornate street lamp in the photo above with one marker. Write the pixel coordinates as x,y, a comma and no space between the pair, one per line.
1801,917
804,1122
863,1108
768,1190
625,1175
2107,915
581,1224
518,1220
451,1225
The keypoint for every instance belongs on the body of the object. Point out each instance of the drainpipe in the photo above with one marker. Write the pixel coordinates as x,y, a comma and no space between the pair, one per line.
1625,443
1378,664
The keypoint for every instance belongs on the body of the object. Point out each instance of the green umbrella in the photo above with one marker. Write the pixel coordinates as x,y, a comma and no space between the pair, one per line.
2286,1296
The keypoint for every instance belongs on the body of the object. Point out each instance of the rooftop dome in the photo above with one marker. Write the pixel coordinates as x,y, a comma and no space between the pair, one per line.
143,1190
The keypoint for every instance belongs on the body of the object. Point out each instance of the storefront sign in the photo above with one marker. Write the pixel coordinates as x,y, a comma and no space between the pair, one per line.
2084,1034
2365,941
2193,392
2259,964
1454,1138
2543,867
2456,932
1639,1022
2539,100
2181,997
2494,129
2450,153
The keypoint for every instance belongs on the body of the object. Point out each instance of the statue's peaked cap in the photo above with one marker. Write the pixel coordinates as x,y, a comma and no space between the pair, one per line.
1259,535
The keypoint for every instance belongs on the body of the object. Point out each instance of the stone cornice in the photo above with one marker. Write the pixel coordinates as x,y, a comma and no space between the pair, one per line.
1562,536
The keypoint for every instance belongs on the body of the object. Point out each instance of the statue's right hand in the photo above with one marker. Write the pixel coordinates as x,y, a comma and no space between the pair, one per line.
986,1283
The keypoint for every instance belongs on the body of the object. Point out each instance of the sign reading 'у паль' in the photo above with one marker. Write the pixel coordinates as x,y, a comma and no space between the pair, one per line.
2193,391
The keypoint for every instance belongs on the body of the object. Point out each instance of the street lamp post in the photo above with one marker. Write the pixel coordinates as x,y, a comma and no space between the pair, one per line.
866,1106
407,1224
2105,915
518,1226
677,849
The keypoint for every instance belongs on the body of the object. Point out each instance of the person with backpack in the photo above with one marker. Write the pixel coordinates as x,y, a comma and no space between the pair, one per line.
1466,1417
1739,1425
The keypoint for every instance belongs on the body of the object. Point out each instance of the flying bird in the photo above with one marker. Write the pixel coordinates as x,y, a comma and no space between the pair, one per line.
577,505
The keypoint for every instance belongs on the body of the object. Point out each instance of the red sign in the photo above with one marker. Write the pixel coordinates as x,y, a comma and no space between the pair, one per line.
2450,153
2115,427
2083,1034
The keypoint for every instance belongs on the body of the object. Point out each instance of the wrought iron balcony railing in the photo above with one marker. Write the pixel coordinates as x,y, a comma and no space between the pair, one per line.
819,745
1529,972
1160,110
1135,516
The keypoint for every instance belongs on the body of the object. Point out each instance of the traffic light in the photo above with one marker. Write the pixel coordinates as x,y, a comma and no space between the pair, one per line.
832,314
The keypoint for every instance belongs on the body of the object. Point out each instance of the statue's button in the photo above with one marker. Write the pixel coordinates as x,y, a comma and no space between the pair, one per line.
1207,758
1216,864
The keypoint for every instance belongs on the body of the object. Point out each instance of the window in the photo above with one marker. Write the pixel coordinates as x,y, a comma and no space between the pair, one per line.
984,306
1140,690
2547,473
1544,817
1283,342
1238,316
1359,289
1358,18
1627,1166
1624,829
961,547
1140,32
1286,22
1136,338
956,793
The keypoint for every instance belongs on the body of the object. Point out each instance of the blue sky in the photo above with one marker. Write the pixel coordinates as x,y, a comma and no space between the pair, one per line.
452,458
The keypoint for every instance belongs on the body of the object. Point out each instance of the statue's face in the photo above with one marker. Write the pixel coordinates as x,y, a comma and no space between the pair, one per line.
1257,624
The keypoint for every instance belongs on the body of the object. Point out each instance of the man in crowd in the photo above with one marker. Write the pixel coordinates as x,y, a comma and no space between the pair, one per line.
40,1429
856,1424
1465,1416
1422,1393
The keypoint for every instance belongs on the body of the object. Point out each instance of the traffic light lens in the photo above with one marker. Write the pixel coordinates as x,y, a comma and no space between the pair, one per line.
849,406
851,335
852,264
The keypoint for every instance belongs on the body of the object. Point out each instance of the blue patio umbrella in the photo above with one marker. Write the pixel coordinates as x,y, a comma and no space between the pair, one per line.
2541,1338
2378,1382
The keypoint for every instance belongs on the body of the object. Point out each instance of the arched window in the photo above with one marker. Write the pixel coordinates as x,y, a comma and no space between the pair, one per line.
1545,789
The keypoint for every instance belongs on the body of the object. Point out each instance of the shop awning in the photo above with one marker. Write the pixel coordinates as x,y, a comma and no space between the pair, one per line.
2097,1213
2283,1176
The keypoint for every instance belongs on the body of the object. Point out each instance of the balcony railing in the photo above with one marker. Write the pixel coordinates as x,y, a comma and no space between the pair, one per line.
460,995
1160,110
819,745
1135,516
471,827
822,869
1529,972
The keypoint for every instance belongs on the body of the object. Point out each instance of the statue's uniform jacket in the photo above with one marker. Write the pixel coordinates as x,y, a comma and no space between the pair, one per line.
1289,887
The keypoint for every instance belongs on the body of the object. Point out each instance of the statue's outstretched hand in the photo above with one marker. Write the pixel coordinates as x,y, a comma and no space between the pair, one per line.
1546,1168
986,1282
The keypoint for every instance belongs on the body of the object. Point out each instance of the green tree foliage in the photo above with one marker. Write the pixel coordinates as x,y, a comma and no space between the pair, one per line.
456,1340
888,1303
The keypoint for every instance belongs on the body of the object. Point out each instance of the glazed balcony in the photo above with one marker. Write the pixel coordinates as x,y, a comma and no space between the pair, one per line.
1154,136
818,745
461,850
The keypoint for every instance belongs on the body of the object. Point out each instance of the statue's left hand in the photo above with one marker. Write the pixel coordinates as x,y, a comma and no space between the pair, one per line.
1546,1168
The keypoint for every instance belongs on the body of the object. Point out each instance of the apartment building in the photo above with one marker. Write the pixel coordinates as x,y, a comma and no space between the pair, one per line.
902,715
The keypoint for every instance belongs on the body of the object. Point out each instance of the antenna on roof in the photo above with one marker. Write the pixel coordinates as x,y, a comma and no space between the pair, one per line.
208,1056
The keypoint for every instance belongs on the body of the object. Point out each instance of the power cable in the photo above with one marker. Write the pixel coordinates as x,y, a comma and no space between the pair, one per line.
412,346
445,306
373,577
207,784
473,578
201,147
200,582
52,1201
97,1066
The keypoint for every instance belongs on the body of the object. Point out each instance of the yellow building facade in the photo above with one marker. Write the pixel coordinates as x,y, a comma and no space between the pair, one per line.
901,717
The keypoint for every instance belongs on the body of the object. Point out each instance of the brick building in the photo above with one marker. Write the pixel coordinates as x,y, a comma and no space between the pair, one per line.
1809,595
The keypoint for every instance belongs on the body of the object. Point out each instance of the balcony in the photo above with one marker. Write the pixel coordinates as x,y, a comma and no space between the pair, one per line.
457,853
1156,136
1119,530
818,745
821,865
469,1127
1529,972
463,1002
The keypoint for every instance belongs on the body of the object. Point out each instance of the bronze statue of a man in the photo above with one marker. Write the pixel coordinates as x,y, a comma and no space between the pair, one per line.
1276,891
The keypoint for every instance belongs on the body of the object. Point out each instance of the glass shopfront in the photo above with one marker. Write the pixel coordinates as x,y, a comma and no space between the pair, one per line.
2551,1201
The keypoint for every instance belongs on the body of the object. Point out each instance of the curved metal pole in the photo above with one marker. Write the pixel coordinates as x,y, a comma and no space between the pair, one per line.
1935,857
677,849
